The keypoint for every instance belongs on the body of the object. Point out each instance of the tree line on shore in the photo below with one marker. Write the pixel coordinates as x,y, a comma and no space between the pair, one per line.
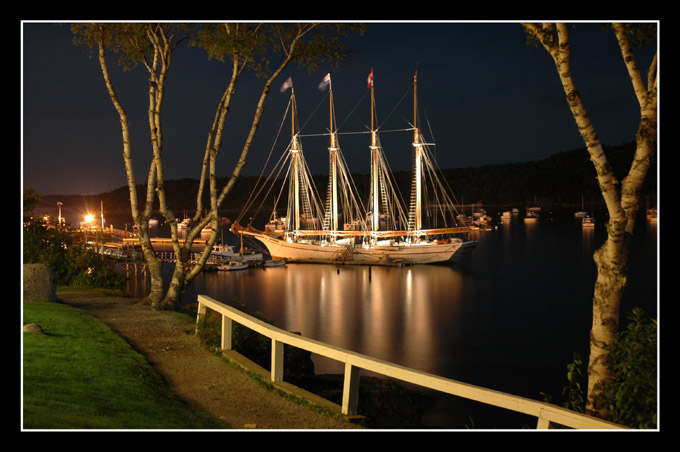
565,178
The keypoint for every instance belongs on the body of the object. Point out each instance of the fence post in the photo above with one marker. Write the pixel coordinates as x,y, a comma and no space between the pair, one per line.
200,313
543,424
350,390
226,332
277,361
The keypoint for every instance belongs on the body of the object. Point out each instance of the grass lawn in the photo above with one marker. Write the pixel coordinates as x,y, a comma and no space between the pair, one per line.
81,375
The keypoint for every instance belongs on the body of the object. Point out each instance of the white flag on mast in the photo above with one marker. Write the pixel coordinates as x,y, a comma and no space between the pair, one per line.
287,84
325,82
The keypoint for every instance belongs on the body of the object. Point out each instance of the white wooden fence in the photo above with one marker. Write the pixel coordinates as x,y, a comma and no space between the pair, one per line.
548,415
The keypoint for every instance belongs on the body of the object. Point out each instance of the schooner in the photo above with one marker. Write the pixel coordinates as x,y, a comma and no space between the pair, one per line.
386,233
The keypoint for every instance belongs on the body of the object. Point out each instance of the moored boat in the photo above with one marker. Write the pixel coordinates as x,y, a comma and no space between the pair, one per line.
533,212
588,221
581,213
652,214
233,265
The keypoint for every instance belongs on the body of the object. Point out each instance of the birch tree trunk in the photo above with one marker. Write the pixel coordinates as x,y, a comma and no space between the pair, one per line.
161,40
184,274
622,203
141,218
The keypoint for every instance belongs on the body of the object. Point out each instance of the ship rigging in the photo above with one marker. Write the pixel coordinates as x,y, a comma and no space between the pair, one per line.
384,233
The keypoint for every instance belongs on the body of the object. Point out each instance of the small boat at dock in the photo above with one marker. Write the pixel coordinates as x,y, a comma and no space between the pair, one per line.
533,213
588,221
233,266
652,214
224,253
581,213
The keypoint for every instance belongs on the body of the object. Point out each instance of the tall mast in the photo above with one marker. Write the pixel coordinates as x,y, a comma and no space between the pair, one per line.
375,217
333,150
101,208
296,166
418,154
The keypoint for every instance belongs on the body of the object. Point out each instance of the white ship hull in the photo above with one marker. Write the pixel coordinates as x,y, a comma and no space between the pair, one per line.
422,253
302,251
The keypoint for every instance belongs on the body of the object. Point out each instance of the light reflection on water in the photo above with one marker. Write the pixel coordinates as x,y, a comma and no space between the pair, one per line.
395,314
509,317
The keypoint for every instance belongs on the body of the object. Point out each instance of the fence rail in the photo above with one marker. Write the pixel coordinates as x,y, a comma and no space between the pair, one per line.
547,415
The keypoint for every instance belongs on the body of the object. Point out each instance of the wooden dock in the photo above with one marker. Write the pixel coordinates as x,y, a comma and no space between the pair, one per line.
161,241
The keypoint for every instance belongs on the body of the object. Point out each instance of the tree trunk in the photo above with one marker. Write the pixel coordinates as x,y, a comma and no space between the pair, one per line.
622,205
611,258
182,277
141,219
157,72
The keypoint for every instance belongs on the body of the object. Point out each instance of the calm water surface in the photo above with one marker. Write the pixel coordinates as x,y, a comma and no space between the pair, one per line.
508,318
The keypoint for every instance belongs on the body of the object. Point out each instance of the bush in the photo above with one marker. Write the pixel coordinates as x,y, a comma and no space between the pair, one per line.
631,396
52,247
71,263
95,271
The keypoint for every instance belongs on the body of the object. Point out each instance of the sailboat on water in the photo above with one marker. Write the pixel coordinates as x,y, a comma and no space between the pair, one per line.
385,233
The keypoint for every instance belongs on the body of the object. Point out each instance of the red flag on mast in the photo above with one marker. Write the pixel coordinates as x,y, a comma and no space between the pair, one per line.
370,79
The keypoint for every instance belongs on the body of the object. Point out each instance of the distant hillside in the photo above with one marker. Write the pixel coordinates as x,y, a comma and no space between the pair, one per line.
560,179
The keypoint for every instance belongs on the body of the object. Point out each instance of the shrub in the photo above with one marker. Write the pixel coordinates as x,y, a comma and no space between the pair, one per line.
49,246
71,263
94,271
630,397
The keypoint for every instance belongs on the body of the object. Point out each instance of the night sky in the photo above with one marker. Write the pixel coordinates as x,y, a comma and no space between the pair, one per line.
488,98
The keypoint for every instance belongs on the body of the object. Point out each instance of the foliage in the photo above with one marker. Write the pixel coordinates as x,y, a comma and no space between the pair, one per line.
71,263
130,41
252,45
31,199
52,247
81,375
93,271
630,397
573,391
639,34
